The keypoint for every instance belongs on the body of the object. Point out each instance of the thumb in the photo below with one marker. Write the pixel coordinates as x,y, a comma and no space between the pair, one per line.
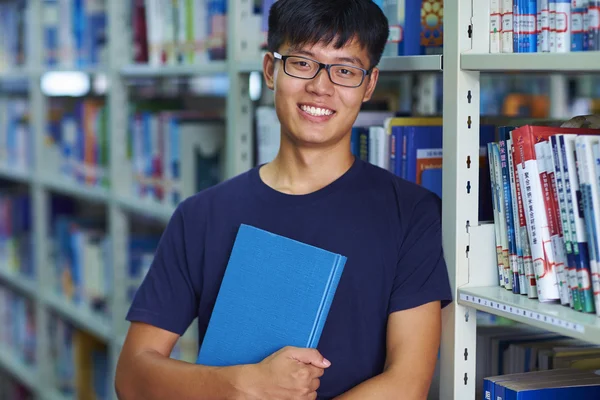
310,356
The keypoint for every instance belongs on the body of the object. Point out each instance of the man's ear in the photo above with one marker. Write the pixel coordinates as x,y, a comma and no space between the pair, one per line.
269,70
371,84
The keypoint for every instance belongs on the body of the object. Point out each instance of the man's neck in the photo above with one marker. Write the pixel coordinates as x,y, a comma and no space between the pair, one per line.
302,171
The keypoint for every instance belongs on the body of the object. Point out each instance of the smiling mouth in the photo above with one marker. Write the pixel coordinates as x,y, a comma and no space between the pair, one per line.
316,111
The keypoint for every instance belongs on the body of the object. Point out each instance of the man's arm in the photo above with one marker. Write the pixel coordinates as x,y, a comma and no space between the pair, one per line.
413,339
146,372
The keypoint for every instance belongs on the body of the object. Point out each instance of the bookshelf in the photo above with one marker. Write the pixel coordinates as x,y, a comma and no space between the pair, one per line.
469,246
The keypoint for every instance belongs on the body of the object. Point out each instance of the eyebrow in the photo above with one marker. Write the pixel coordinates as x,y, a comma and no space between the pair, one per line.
353,60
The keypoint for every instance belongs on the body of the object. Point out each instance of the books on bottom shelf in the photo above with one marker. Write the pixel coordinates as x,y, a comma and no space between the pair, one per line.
544,182
523,362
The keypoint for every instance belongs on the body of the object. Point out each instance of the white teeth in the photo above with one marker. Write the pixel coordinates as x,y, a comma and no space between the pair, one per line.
317,112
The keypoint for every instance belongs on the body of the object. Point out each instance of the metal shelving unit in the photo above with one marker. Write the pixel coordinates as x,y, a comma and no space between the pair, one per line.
469,246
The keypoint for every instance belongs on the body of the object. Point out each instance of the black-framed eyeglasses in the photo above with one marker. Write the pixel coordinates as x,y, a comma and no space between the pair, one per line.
307,68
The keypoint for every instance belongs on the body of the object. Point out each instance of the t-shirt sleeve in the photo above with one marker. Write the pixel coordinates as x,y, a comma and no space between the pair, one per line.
166,298
421,273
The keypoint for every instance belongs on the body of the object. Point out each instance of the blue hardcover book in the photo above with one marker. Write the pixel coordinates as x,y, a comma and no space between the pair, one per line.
276,292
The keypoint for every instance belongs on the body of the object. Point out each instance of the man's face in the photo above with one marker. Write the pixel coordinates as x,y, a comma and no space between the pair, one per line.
317,112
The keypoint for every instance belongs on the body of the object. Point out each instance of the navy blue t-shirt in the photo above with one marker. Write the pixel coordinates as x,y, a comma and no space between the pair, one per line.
389,230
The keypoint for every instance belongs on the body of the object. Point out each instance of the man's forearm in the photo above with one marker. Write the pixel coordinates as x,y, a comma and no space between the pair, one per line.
388,385
150,376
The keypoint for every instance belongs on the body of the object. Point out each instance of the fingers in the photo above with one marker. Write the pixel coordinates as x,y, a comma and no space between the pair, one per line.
309,356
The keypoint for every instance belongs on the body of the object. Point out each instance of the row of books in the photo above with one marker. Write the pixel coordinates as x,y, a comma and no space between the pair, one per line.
416,27
16,251
75,33
76,145
178,32
546,203
12,35
173,154
80,362
15,134
17,326
12,389
542,26
411,148
83,269
523,362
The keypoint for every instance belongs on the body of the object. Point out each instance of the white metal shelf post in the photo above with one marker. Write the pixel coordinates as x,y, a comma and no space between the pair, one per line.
460,194
240,48
41,251
119,55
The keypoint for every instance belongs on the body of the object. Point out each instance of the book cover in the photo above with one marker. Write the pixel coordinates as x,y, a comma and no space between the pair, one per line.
276,292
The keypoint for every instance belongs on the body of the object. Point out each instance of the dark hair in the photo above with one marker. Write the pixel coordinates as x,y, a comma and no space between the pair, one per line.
302,22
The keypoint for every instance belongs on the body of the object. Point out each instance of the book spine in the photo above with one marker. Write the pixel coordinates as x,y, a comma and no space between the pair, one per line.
577,220
527,257
556,262
570,266
537,223
495,26
496,210
578,10
328,294
543,27
516,221
558,242
552,25
594,25
507,26
529,31
586,25
563,26
508,214
589,209
506,272
595,274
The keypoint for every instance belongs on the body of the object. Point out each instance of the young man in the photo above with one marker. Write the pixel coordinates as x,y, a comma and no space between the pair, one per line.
382,334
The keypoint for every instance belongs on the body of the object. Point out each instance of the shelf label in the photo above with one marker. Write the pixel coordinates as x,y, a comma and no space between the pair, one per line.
529,314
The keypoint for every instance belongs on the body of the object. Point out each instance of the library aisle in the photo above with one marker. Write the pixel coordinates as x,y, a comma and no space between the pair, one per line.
112,112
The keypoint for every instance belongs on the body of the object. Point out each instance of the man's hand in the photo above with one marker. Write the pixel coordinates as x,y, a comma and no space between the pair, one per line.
290,374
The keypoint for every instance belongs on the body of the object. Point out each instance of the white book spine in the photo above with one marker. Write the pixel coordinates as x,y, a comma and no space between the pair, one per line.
568,237
557,241
543,26
552,25
495,26
585,157
507,26
539,235
563,26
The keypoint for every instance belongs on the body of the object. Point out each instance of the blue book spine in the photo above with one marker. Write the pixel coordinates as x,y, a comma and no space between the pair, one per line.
529,31
517,26
586,25
594,25
578,10
508,214
411,42
576,222
589,391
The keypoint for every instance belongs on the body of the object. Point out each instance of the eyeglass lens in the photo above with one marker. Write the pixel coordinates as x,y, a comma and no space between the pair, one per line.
340,74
